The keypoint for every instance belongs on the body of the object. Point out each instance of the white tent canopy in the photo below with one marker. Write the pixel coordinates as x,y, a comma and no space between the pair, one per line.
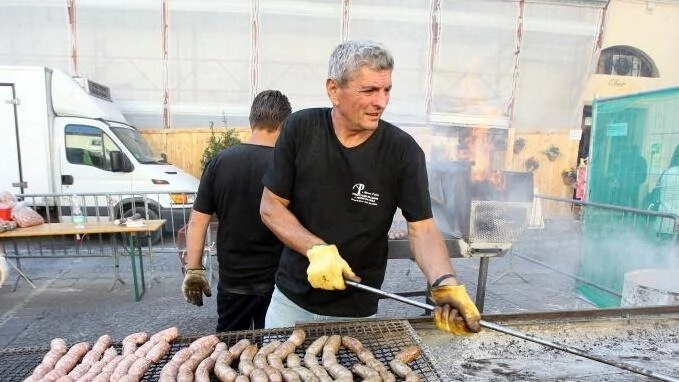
458,62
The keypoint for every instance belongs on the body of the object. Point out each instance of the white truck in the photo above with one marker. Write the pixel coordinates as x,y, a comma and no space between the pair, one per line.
63,136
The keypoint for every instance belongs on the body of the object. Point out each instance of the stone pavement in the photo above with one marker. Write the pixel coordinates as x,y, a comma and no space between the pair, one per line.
73,298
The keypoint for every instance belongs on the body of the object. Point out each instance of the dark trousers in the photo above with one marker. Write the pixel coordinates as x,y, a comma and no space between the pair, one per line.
241,311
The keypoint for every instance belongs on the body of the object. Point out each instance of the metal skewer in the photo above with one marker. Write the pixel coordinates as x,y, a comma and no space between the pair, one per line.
527,336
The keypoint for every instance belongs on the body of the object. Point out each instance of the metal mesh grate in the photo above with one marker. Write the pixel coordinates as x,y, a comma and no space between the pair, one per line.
384,338
498,221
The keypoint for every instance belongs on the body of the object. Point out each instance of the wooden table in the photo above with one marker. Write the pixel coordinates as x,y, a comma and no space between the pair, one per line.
65,229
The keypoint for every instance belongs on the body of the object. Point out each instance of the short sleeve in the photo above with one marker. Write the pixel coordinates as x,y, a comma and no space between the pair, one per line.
205,197
413,186
280,175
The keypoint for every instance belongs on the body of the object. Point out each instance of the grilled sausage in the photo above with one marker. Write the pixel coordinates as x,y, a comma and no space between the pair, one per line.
169,372
366,356
223,369
202,348
205,367
245,365
400,363
336,370
296,339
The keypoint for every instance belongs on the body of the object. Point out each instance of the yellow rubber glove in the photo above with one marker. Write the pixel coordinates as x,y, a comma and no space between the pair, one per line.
455,312
195,285
327,269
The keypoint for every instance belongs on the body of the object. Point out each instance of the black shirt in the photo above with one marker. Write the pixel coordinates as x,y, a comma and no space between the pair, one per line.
347,197
231,186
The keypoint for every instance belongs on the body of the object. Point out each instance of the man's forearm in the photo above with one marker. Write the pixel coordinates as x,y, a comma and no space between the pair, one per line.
195,239
430,251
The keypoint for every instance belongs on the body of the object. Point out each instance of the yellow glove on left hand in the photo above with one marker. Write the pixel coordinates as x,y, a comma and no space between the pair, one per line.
327,269
455,312
194,286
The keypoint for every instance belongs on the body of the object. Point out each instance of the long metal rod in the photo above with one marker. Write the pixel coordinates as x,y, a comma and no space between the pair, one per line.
527,336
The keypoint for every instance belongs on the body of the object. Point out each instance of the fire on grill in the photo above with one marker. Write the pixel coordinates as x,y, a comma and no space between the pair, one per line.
369,350
493,208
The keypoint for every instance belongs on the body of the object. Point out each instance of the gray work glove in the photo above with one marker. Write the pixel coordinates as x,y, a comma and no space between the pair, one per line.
194,286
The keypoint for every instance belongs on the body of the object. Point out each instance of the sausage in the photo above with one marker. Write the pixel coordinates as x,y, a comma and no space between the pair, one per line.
131,341
408,354
317,345
204,342
242,378
336,370
296,339
403,370
157,352
97,367
400,363
293,360
238,347
290,375
258,375
311,360
123,367
202,348
68,361
143,350
223,369
57,349
205,367
365,372
168,335
366,356
139,367
245,365
108,369
97,350
169,371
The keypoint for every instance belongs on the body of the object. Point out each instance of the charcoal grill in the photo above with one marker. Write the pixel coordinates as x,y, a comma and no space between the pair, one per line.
384,338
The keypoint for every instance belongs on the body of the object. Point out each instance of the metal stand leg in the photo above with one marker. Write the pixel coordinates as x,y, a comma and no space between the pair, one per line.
135,251
510,270
481,283
116,265
17,268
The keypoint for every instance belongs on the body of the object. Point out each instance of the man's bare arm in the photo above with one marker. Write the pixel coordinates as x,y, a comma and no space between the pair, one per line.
429,250
195,238
278,218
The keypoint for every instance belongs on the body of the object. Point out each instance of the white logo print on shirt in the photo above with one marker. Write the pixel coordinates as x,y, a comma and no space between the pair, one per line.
359,194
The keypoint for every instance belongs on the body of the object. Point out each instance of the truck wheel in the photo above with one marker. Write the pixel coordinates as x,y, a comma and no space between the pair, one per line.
152,215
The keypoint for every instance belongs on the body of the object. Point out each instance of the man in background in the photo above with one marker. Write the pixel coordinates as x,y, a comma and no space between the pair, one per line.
247,252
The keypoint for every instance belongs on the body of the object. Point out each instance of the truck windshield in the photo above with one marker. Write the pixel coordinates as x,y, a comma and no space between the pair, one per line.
137,145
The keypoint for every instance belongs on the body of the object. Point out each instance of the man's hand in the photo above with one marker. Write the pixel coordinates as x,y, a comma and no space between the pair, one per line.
194,286
455,312
327,269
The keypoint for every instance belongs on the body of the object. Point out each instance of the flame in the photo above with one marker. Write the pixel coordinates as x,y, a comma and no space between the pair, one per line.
478,148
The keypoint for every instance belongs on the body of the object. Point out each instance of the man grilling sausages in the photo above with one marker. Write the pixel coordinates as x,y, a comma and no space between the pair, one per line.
336,178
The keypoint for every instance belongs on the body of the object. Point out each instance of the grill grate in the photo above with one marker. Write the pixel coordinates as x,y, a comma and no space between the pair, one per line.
384,338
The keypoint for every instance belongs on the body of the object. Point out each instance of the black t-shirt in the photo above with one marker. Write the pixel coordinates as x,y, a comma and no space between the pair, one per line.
347,197
231,186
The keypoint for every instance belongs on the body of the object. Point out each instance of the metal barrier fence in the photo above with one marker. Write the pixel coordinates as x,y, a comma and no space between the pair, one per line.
99,207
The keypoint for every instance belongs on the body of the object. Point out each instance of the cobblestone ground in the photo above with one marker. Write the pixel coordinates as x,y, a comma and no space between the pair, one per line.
77,298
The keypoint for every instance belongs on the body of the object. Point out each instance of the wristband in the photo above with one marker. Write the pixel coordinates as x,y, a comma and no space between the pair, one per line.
441,278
